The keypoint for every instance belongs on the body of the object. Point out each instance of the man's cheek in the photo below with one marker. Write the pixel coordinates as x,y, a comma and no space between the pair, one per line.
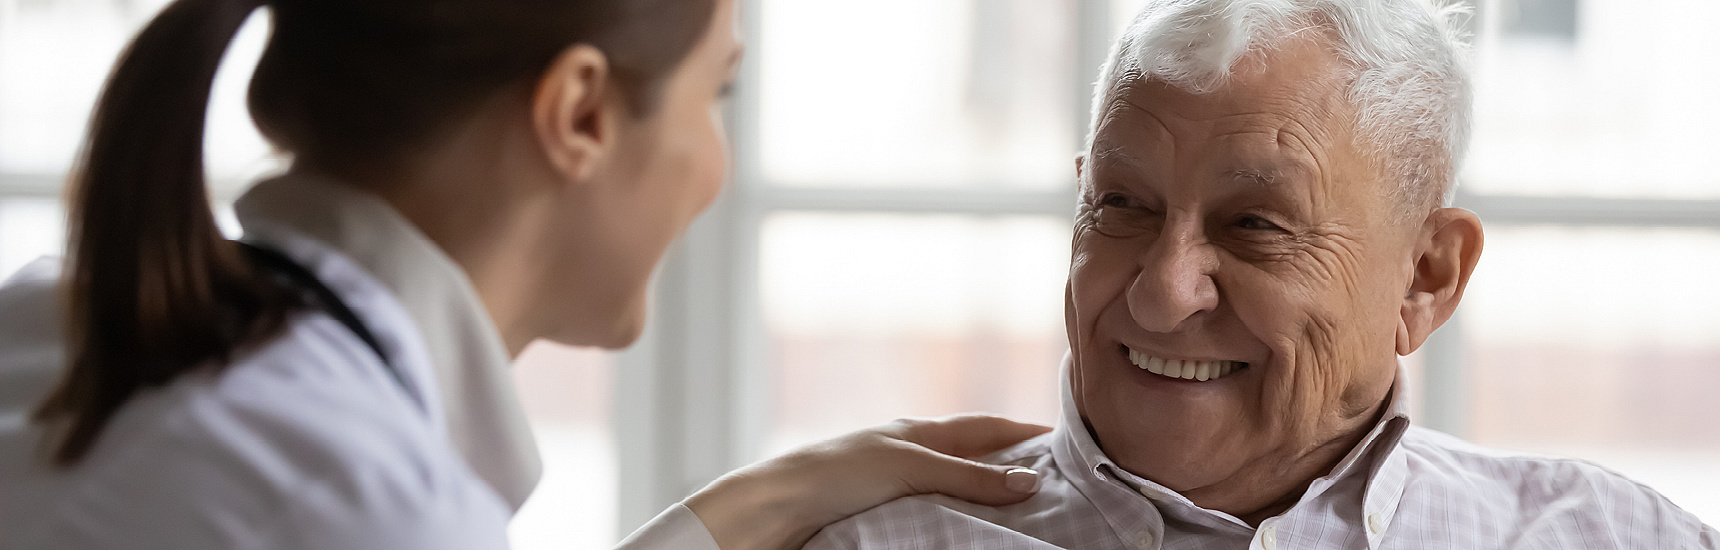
1308,346
1095,278
1329,355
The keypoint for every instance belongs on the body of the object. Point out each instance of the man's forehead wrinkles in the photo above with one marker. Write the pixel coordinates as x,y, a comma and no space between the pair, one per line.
1264,121
1179,115
1129,105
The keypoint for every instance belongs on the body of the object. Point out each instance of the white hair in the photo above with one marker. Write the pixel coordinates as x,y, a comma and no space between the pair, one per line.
1408,78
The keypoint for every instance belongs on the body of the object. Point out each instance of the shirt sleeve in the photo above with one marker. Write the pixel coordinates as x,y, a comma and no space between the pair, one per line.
676,528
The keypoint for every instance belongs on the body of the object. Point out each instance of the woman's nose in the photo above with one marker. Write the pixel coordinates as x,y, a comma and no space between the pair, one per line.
1175,282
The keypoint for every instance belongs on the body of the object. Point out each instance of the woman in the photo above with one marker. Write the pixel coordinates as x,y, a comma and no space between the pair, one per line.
468,176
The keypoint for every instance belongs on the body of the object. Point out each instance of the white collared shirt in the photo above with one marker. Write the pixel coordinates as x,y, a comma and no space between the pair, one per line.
1402,487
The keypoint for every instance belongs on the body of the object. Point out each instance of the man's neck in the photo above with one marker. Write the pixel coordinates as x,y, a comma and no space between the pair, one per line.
1270,486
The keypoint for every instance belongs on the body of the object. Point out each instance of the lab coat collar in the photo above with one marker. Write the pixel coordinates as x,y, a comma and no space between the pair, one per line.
485,420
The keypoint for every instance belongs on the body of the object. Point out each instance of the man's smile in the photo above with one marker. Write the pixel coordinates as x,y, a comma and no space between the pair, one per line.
1184,369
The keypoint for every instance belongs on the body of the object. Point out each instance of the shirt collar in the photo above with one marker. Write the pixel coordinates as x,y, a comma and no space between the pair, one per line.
485,420
1100,479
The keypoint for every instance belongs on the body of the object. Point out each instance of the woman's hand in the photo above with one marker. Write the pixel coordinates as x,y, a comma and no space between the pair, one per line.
782,502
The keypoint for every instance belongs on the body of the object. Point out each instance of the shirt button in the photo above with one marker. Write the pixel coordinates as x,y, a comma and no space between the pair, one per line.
1143,540
1375,524
1269,537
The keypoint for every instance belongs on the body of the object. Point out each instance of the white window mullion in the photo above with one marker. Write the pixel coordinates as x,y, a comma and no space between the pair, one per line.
1621,212
677,407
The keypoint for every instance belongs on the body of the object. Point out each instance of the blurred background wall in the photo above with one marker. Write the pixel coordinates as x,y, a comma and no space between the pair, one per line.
895,238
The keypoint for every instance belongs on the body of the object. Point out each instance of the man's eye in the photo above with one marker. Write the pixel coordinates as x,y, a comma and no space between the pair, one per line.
1119,215
1256,223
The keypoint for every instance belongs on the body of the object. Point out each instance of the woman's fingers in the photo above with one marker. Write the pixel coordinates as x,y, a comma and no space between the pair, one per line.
782,502
966,435
988,484
938,459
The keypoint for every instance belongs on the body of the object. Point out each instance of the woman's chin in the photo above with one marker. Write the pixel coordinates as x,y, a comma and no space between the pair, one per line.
625,335
612,332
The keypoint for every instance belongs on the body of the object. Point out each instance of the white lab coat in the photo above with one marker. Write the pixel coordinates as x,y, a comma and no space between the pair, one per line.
305,442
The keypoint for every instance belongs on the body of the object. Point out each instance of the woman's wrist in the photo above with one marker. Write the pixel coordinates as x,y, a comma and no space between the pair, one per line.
747,511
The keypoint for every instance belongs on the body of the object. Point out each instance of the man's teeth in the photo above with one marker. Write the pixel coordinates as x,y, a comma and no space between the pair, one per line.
1187,370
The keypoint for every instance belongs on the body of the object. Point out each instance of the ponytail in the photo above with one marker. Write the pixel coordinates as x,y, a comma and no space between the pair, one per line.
152,289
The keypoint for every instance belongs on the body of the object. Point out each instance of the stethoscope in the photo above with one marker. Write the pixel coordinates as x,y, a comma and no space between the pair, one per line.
293,276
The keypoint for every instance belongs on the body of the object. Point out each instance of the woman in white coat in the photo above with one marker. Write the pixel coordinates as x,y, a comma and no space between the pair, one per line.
468,176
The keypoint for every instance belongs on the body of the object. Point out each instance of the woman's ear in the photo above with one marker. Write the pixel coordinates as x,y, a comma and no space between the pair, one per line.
1447,250
571,112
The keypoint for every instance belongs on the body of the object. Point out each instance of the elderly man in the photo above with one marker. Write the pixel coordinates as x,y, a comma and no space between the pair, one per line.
1261,234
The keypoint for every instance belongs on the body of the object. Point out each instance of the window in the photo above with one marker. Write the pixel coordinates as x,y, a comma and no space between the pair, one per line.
872,316
1589,329
896,235
1555,19
568,394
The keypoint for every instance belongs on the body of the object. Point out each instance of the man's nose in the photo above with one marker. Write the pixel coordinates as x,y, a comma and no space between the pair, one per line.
1175,282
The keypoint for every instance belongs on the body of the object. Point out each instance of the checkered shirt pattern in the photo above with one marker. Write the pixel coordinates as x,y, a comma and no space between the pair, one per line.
1402,487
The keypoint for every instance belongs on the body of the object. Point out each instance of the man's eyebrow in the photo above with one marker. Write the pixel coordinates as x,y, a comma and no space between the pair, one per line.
1266,173
1116,155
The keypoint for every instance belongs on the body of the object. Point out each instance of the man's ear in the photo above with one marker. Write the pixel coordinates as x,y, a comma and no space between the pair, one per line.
570,111
1447,250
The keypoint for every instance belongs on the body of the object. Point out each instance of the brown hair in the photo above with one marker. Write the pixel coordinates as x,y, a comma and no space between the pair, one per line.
152,290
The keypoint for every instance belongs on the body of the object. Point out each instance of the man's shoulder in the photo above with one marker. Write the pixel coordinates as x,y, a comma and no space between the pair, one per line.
1026,453
1447,458
925,522
937,521
1544,495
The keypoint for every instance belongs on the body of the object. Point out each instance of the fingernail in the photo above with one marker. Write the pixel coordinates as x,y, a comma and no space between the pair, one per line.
1021,480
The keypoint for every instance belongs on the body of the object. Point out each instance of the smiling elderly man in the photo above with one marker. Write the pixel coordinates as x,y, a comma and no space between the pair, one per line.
1261,234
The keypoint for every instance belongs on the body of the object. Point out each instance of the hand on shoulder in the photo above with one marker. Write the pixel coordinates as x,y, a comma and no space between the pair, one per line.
782,502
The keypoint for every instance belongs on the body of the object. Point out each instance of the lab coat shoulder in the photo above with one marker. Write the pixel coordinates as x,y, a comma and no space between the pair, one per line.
365,469
304,442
